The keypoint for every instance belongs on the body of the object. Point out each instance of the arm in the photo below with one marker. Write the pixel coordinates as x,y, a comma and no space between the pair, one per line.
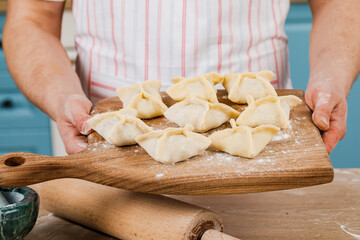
334,64
41,68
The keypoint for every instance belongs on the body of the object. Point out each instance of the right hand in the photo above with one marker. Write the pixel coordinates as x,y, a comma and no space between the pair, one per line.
71,122
329,107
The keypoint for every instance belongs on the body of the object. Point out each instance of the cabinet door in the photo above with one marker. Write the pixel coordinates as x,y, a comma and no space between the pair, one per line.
25,140
17,112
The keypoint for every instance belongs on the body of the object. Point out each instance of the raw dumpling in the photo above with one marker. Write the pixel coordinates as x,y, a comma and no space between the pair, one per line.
242,140
197,87
268,110
119,128
173,144
213,77
144,97
200,113
239,85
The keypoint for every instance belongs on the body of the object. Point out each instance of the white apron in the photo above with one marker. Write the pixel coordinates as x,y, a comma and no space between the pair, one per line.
120,42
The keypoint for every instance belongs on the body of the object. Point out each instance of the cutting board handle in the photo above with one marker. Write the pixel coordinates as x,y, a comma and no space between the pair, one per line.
21,169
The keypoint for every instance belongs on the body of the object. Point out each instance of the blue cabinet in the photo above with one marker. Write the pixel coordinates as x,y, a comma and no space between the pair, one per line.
297,27
23,127
33,140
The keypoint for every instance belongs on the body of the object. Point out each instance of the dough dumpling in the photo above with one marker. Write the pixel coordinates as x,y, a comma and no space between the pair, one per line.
268,110
144,97
173,144
120,127
242,140
200,113
197,87
257,85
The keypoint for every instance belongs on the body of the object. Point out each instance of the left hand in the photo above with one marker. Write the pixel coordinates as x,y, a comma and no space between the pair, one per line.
71,122
329,107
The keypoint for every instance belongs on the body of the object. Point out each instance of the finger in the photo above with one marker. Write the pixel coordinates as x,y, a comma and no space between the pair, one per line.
309,99
331,137
78,114
337,129
323,107
74,142
85,128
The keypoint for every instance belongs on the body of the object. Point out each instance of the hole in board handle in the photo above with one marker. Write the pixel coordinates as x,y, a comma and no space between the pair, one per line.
14,161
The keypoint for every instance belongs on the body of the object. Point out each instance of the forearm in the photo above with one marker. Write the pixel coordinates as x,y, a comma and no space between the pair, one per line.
334,65
334,43
39,64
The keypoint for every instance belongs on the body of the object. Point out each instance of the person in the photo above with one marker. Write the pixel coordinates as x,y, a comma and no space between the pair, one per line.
121,42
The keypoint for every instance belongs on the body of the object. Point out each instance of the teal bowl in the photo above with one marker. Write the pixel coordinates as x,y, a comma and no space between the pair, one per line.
18,217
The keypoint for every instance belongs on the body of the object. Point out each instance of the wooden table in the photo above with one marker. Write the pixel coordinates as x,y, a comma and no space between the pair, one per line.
330,211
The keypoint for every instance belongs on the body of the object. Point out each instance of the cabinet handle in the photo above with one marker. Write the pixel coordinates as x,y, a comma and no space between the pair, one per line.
7,104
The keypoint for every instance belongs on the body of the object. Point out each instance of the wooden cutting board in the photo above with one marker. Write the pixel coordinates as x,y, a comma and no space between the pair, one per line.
296,157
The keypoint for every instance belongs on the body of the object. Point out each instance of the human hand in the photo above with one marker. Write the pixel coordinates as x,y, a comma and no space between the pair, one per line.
329,112
71,122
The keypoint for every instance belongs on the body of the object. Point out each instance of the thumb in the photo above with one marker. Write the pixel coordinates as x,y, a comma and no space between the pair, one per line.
82,125
323,106
80,118
78,113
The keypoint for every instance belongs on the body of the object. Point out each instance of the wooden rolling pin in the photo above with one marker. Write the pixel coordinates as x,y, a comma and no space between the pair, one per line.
128,215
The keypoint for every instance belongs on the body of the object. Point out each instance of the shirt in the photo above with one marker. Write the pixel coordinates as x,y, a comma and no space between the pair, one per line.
120,42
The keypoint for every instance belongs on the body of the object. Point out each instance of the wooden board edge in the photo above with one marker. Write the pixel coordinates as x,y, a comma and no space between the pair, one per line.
252,185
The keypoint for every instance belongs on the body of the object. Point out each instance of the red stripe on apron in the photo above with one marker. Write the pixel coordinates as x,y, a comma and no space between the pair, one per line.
196,41
80,23
231,36
122,37
113,35
146,70
220,38
100,85
251,37
183,46
259,30
281,53
97,36
91,49
159,40
273,45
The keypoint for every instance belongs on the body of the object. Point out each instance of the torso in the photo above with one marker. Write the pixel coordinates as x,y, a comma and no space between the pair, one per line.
122,42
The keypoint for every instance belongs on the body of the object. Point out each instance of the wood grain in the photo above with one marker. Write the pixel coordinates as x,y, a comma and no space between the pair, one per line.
325,212
216,235
126,214
295,158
